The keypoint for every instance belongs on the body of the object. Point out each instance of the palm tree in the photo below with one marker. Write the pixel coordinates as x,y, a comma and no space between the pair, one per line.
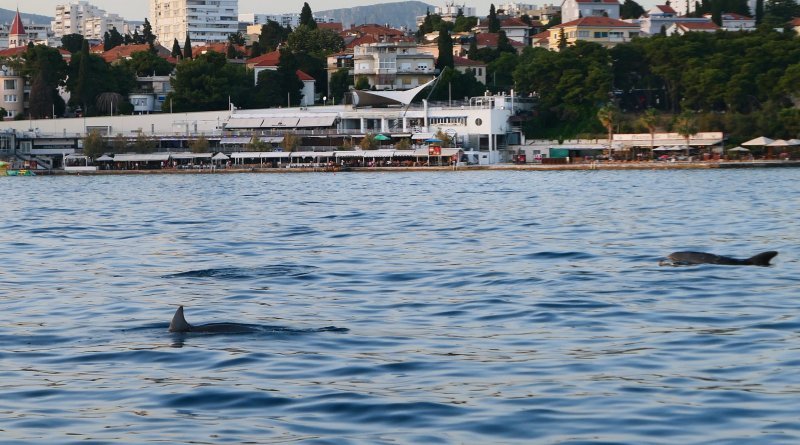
686,126
649,120
609,116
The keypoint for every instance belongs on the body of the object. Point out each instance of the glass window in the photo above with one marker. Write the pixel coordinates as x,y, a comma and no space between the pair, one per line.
10,84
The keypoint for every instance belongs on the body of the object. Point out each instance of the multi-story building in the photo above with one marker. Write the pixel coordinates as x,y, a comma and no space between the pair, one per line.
393,66
86,19
205,21
660,17
288,19
38,33
576,9
14,90
450,11
603,30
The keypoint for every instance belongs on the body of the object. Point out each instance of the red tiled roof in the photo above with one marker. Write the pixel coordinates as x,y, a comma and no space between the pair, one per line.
13,52
691,26
16,26
303,76
126,51
268,59
795,22
666,9
605,22
97,49
337,27
601,1
363,40
543,36
376,30
462,61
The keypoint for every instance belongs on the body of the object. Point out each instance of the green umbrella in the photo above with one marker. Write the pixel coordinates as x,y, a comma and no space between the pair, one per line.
382,137
3,164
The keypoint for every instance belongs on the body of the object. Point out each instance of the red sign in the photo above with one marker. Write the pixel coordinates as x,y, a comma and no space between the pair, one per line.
434,150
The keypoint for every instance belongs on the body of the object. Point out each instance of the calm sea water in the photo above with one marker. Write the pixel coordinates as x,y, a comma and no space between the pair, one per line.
479,307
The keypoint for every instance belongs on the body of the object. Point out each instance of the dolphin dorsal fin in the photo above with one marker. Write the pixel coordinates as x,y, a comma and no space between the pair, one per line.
762,259
179,323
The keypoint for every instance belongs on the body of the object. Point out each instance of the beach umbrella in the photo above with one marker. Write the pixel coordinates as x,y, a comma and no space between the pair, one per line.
779,143
433,140
759,141
794,141
104,158
220,157
663,148
741,149
382,137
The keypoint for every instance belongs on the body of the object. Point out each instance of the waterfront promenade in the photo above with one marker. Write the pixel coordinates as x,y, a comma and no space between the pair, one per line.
618,165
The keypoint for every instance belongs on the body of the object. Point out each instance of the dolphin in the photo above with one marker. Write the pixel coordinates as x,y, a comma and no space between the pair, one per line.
686,258
179,324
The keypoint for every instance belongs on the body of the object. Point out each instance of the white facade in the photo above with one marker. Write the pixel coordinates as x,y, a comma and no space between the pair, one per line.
449,11
37,33
393,66
206,21
575,9
516,9
288,19
85,19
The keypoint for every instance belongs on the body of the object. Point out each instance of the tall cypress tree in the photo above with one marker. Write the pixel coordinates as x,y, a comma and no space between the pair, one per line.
759,12
307,17
176,49
187,47
83,77
445,44
494,22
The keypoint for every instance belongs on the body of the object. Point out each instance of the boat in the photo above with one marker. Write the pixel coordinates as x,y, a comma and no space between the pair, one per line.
21,172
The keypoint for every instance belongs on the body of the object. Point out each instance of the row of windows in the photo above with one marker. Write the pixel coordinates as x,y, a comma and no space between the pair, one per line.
10,84
8,98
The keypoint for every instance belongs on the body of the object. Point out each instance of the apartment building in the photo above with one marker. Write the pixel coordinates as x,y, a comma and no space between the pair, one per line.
206,21
86,19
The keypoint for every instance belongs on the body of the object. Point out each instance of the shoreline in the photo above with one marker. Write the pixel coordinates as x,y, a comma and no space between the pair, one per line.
497,167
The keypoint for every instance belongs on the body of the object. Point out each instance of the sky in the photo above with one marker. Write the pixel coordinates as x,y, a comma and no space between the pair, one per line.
138,9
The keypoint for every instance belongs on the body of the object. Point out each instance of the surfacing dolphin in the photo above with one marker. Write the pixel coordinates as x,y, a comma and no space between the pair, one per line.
689,258
179,324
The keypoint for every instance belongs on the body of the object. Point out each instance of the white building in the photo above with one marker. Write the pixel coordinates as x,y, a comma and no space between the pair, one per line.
37,33
85,19
393,66
449,12
206,21
288,19
576,9
662,17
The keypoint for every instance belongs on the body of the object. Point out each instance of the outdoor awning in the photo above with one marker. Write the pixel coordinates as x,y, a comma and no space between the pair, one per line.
239,140
244,123
220,157
311,154
349,154
158,157
280,122
317,121
185,156
272,139
259,154
445,152
421,136
378,153
75,156
104,158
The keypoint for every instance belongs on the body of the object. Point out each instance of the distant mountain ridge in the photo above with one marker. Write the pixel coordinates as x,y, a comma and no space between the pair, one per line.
7,16
399,14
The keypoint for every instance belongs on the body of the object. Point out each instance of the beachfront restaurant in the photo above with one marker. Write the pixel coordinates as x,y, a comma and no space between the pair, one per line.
429,156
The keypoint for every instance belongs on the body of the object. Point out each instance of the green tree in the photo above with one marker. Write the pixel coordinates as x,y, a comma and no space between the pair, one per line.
307,17
236,38
199,145
112,39
176,49
362,83
275,86
609,116
631,10
93,145
187,47
72,42
649,120
562,39
759,12
456,85
472,52
144,144
147,63
368,142
291,142
465,24
272,35
685,125
46,69
82,90
500,72
256,144
147,34
339,84
208,83
317,42
493,21
445,45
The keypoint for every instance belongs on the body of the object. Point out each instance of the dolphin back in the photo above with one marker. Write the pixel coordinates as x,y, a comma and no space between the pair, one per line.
762,259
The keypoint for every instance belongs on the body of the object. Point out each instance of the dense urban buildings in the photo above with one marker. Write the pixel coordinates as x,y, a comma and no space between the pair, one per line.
204,21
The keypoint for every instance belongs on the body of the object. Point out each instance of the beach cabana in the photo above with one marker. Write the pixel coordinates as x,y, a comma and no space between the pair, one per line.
758,142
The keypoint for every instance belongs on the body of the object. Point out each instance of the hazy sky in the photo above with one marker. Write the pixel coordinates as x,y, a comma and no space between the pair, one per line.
138,9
